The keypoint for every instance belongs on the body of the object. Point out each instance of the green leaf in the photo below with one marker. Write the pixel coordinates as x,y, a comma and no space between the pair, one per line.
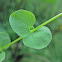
4,39
39,39
2,56
21,21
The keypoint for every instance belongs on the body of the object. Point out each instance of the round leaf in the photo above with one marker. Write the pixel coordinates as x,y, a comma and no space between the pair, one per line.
21,21
4,39
2,56
38,39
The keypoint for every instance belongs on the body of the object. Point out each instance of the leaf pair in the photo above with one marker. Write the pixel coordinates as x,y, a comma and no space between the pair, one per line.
22,22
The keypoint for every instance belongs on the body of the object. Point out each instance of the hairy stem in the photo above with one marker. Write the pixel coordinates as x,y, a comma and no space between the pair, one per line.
11,43
46,22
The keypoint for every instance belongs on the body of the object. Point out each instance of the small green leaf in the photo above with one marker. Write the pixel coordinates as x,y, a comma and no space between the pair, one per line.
21,21
2,56
38,39
4,39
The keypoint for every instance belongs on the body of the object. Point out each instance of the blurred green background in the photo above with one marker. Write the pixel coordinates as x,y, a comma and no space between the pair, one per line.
43,10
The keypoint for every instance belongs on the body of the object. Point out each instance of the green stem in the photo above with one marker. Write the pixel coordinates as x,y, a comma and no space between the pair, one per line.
11,43
46,22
